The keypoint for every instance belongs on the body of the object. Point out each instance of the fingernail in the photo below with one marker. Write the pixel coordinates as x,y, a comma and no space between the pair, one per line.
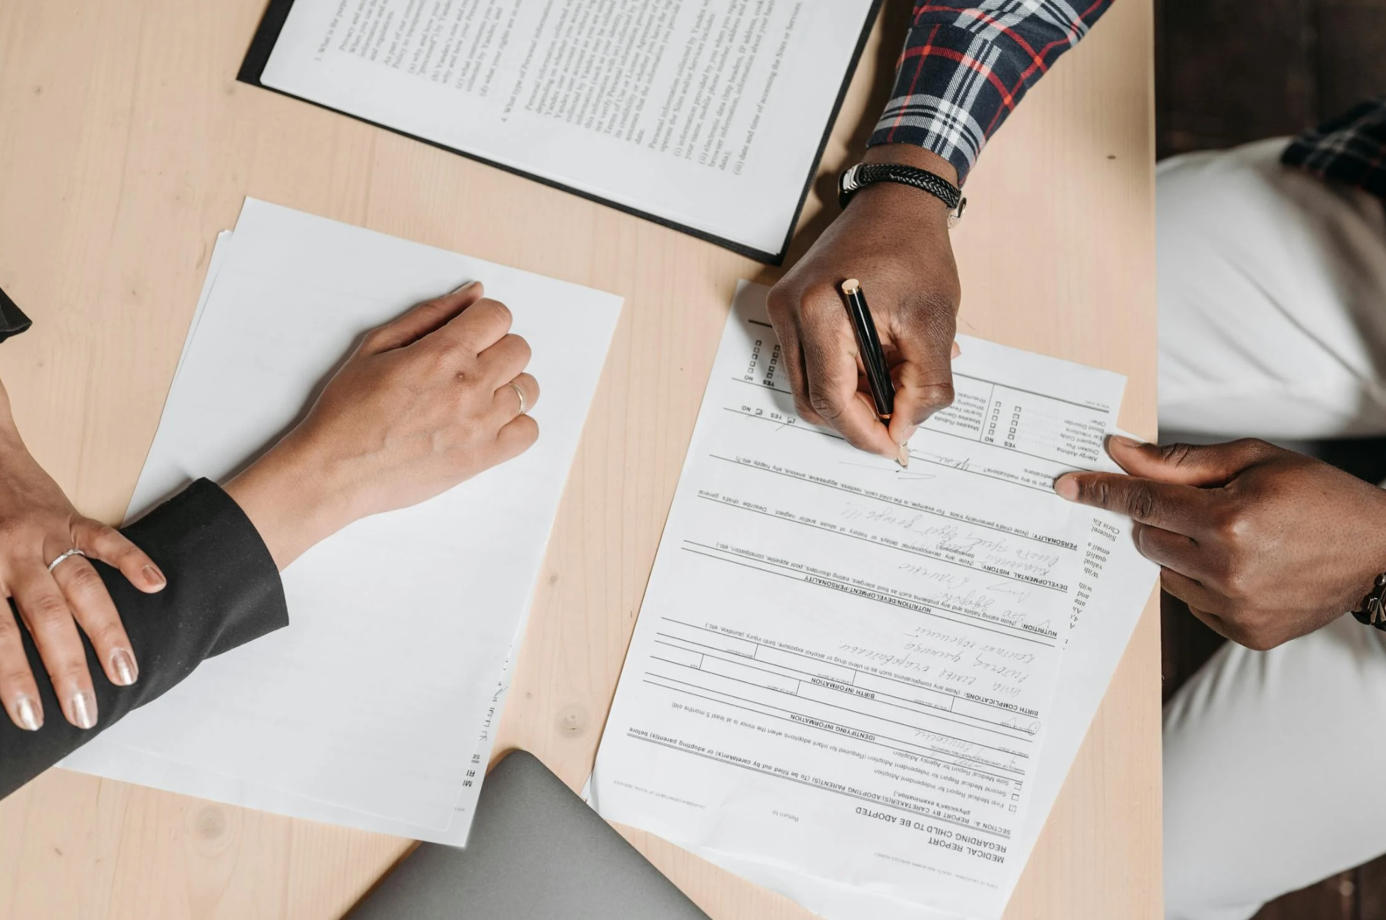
957,349
461,288
1126,442
83,709
123,663
154,577
29,717
904,458
1067,487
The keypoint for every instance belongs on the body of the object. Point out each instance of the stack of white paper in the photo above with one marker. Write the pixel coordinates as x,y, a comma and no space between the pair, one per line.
861,685
372,708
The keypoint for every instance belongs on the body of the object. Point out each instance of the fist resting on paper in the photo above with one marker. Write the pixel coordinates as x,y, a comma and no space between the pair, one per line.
895,239
1263,544
426,402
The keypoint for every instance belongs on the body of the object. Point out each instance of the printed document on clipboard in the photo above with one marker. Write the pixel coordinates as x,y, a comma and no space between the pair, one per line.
707,116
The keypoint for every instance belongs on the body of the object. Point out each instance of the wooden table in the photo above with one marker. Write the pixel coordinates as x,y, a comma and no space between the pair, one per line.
126,144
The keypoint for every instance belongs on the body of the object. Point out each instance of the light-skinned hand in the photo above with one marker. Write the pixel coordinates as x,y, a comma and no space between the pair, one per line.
38,524
423,404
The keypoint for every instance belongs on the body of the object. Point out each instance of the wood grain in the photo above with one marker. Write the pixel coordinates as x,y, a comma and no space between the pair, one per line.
127,145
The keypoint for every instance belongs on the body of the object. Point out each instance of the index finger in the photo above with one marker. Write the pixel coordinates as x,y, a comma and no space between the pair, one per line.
112,547
422,319
830,366
924,376
475,329
1169,506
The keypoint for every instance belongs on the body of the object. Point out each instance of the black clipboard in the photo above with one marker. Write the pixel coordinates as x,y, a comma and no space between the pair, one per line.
267,35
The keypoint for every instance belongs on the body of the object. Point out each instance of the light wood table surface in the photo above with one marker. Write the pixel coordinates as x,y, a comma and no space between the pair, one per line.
126,144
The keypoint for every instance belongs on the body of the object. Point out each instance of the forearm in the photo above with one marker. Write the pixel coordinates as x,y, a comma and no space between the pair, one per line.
411,414
294,498
223,591
965,67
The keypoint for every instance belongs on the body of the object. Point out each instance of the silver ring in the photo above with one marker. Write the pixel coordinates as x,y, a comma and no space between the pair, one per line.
520,393
64,557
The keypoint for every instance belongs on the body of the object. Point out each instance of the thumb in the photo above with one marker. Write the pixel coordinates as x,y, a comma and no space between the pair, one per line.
923,378
429,316
1187,464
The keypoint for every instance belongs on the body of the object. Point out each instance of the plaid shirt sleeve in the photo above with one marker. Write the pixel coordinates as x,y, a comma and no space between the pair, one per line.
966,65
1349,149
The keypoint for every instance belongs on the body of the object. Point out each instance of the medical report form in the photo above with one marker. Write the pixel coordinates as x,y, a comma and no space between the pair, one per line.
843,669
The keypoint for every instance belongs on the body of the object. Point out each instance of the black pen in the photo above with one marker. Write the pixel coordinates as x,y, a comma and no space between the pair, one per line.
872,356
869,344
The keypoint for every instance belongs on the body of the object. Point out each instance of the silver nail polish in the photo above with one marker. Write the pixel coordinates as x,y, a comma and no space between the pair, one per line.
463,287
83,709
123,663
28,714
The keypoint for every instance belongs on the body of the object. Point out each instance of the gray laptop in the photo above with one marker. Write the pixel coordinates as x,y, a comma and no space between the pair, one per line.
536,852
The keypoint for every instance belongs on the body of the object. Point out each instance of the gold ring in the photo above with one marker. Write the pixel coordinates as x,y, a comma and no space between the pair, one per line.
520,393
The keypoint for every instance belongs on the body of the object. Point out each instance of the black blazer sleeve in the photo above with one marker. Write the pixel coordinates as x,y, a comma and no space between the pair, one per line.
223,591
12,319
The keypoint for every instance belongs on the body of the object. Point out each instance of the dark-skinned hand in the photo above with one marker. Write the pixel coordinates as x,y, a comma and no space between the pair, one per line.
1263,544
895,240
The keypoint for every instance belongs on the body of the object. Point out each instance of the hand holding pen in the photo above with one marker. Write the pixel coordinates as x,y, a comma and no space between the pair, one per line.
873,357
895,241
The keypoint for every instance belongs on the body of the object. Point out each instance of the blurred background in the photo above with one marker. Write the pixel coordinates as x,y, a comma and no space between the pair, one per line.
1229,72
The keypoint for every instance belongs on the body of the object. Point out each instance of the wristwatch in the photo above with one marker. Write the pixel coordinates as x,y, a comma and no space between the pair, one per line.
1371,610
858,177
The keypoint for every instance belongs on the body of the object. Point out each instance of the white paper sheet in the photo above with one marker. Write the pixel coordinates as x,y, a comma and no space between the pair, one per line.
1117,581
707,114
843,671
135,766
371,702
219,251
117,761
